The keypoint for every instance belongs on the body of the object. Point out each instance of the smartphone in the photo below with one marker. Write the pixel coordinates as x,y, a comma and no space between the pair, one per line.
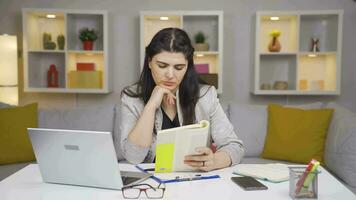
249,183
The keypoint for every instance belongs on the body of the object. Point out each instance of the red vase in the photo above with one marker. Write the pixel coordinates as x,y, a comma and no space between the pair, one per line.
52,76
88,45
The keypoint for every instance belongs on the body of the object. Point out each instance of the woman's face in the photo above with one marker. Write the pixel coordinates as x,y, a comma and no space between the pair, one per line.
168,69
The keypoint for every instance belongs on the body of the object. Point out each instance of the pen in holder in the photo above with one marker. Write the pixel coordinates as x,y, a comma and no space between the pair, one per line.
303,184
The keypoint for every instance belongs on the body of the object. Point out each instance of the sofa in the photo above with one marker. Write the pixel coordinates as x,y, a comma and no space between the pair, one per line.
249,121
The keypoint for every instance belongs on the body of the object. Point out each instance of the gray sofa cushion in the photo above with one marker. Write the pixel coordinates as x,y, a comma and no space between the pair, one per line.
116,135
250,124
90,118
340,148
93,119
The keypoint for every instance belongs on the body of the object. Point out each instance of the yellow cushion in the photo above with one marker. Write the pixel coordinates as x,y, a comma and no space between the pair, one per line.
296,135
15,144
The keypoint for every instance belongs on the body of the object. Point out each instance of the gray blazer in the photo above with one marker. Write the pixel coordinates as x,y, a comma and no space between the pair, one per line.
207,108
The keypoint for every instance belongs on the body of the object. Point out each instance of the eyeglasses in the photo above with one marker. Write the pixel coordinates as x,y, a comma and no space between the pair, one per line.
134,191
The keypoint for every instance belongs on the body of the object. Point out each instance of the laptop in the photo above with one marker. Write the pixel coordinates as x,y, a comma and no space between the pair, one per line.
83,158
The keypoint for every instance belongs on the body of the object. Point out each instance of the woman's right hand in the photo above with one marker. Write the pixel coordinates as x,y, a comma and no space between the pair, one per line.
157,96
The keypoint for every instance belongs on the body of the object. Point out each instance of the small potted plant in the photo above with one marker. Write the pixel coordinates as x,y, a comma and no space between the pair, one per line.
87,36
200,44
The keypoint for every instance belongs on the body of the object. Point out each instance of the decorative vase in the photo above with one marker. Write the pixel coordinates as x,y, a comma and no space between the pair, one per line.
60,42
47,41
52,76
314,44
46,37
280,85
88,45
201,47
274,45
265,86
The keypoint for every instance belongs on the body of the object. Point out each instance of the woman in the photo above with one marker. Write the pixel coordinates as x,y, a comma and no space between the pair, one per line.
168,95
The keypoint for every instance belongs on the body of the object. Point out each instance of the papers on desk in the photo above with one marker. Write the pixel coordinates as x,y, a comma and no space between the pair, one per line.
178,176
275,172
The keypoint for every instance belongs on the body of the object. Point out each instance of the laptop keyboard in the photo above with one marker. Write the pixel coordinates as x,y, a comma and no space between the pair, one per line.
128,180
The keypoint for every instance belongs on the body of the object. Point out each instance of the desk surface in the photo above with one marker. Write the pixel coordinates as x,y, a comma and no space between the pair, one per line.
27,184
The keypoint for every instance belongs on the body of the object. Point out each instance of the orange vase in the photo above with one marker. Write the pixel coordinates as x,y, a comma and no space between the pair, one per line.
274,45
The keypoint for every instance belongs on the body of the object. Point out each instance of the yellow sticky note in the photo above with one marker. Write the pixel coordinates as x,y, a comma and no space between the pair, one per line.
164,158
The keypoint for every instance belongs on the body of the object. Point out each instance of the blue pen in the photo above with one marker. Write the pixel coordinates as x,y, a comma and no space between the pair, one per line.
145,171
192,179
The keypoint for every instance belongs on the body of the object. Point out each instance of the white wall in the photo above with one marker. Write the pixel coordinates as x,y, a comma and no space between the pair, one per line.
238,43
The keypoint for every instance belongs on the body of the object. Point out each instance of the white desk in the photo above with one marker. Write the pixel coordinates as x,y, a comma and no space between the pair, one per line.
27,184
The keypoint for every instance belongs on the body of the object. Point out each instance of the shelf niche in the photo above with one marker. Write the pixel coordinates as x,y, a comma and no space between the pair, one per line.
319,72
287,25
37,24
208,22
39,64
154,23
322,27
75,22
208,25
278,68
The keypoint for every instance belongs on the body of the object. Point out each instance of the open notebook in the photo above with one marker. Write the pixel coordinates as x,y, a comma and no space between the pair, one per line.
175,143
275,172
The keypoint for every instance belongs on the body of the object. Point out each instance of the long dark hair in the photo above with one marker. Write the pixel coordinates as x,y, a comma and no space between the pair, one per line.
170,40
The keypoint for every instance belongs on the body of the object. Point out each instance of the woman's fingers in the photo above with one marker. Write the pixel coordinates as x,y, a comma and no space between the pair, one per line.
170,98
194,163
159,93
203,150
197,157
203,161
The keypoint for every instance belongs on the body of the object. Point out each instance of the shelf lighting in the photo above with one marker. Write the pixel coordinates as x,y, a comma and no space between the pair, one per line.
200,55
164,18
274,18
312,55
8,70
51,16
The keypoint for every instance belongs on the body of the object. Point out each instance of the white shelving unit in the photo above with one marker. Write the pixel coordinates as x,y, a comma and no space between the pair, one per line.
209,22
306,72
68,23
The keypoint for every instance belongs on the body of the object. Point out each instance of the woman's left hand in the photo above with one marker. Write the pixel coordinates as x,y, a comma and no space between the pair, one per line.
204,160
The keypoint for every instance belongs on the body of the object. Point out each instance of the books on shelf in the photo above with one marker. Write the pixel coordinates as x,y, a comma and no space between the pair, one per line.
175,143
85,66
202,68
274,172
85,79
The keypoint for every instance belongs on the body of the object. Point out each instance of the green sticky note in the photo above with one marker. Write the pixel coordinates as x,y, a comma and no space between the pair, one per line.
164,158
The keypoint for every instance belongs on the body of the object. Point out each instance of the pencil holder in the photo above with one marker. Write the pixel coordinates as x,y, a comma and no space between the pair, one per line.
303,184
